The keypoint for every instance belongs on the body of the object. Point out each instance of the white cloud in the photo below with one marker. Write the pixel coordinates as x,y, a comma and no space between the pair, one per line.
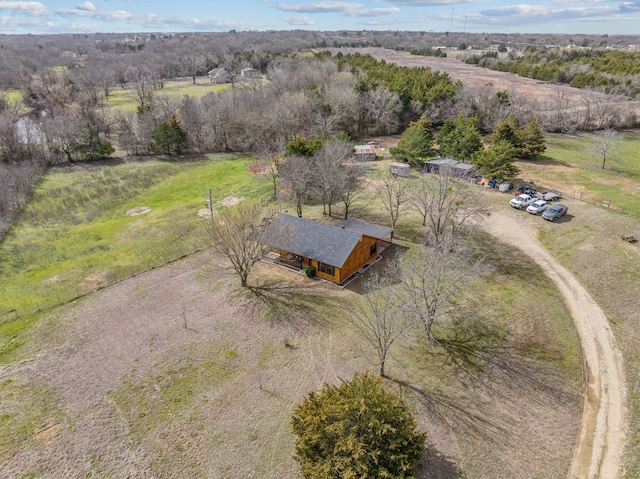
348,9
320,7
32,9
299,21
147,20
534,13
373,12
429,3
97,14
630,7
88,6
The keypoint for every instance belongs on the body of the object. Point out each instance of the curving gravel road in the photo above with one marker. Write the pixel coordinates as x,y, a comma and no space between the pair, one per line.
601,439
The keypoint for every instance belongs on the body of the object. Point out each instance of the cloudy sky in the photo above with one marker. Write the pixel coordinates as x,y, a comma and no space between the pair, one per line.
507,16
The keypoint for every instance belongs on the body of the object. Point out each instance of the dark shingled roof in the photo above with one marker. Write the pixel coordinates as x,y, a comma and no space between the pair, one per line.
365,228
325,243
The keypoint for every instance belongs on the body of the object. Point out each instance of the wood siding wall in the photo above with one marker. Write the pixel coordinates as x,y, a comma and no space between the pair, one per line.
336,278
359,256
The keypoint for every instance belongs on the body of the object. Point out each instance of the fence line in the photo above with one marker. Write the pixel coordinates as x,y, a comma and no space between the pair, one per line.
66,295
74,293
601,202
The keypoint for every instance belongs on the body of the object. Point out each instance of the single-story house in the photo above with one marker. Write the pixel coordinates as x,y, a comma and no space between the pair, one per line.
365,152
336,252
462,170
218,75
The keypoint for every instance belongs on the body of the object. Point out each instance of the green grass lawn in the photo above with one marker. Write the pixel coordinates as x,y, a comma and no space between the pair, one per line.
123,98
74,236
569,166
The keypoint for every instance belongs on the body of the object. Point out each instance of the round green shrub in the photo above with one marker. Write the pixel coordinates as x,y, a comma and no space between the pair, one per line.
310,271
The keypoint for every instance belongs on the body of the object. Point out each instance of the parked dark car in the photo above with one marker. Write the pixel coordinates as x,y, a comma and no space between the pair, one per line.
527,190
555,212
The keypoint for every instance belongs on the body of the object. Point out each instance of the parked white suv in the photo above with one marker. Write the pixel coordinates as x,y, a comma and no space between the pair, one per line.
521,201
537,207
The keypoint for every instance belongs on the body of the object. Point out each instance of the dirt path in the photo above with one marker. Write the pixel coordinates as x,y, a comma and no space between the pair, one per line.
601,440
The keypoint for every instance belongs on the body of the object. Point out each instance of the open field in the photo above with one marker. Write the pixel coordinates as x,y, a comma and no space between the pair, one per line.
75,235
546,94
587,242
177,371
570,168
124,99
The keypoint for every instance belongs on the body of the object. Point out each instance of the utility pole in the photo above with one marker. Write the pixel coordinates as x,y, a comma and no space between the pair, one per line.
451,29
211,209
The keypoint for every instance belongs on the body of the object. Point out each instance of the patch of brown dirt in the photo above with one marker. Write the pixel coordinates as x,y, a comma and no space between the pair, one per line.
204,212
48,434
230,201
138,210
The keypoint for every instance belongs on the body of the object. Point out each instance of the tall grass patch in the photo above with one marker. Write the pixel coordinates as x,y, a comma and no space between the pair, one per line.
75,237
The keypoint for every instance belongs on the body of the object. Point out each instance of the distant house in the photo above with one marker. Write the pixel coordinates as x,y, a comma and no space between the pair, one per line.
336,252
250,73
365,152
400,169
462,170
218,75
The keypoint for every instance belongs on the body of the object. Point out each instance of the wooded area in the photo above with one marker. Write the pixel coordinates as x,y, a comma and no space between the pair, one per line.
58,96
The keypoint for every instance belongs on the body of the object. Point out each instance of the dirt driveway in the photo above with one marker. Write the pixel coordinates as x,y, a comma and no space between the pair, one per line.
601,440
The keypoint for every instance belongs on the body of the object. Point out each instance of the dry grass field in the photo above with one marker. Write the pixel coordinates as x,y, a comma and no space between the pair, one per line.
178,372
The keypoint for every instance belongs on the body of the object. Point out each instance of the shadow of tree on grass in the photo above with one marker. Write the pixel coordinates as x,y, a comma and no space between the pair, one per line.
297,306
434,465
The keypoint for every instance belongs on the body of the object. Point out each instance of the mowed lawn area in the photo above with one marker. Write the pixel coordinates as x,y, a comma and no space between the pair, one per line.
75,234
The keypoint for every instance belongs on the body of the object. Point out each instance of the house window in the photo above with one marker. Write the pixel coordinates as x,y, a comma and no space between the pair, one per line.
374,249
325,268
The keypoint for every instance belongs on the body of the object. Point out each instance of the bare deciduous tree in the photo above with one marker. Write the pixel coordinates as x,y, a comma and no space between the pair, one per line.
605,144
380,319
329,171
236,235
394,195
446,205
295,174
353,185
431,281
269,168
